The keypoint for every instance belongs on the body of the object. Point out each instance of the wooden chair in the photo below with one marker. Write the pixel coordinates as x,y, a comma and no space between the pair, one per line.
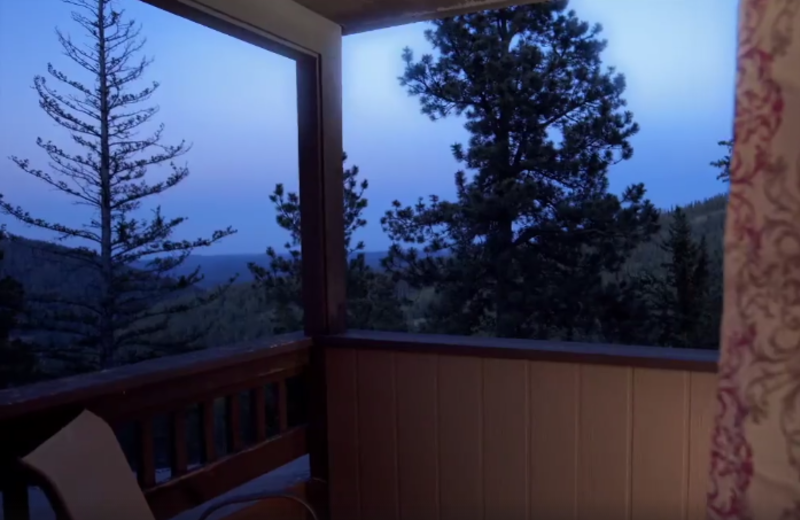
87,470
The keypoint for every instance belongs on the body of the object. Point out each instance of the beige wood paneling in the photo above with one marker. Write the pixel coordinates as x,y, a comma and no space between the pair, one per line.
505,439
417,436
460,443
377,434
604,442
555,400
456,437
660,444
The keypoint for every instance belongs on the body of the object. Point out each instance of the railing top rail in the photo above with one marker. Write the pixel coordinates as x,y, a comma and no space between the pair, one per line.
695,360
17,402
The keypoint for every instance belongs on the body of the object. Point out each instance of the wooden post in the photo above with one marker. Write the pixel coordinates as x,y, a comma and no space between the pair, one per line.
319,98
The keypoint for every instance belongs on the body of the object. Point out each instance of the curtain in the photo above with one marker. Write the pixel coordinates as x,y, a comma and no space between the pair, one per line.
755,455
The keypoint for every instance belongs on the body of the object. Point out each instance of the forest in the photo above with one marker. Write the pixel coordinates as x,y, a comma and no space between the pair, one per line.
533,245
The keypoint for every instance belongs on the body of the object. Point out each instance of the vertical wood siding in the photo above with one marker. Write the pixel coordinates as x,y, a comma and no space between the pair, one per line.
436,437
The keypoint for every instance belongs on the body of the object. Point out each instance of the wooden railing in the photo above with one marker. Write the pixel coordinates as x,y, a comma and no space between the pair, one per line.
193,426
426,426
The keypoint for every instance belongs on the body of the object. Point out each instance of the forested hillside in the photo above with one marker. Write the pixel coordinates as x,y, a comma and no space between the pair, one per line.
707,218
244,312
33,263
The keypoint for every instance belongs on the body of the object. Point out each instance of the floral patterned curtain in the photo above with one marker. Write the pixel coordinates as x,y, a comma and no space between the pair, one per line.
755,458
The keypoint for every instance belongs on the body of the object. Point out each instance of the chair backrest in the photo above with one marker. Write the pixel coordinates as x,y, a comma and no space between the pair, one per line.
89,473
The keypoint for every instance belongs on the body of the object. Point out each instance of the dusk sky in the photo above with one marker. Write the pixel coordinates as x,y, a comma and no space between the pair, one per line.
236,103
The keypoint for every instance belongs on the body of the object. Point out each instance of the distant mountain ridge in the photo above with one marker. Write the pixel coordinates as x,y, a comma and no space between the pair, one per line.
707,217
218,269
29,260
40,268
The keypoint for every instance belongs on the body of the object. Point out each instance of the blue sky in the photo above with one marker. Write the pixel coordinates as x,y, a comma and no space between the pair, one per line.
237,105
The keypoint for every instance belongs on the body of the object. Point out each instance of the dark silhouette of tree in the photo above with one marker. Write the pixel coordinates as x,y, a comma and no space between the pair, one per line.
525,247
118,147
683,295
372,298
18,361
624,311
724,164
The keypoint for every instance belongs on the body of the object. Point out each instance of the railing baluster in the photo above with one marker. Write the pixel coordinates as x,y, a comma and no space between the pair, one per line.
233,416
179,456
283,412
145,454
209,440
258,406
15,500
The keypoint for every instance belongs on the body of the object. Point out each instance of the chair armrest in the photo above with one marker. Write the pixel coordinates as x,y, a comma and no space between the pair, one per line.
257,497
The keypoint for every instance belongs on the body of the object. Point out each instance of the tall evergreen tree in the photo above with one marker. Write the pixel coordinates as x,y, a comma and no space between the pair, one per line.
683,295
131,255
524,247
372,298
724,164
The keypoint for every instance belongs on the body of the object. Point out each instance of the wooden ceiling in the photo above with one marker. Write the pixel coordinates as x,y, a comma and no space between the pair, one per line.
357,16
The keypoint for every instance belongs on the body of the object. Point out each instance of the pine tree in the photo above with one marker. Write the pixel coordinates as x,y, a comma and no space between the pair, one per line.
683,294
624,311
372,298
724,164
523,249
130,254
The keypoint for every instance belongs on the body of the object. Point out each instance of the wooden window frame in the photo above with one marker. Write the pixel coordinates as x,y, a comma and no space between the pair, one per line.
315,44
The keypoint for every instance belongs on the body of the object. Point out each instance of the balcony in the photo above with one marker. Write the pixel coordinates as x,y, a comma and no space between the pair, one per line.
394,426
417,427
